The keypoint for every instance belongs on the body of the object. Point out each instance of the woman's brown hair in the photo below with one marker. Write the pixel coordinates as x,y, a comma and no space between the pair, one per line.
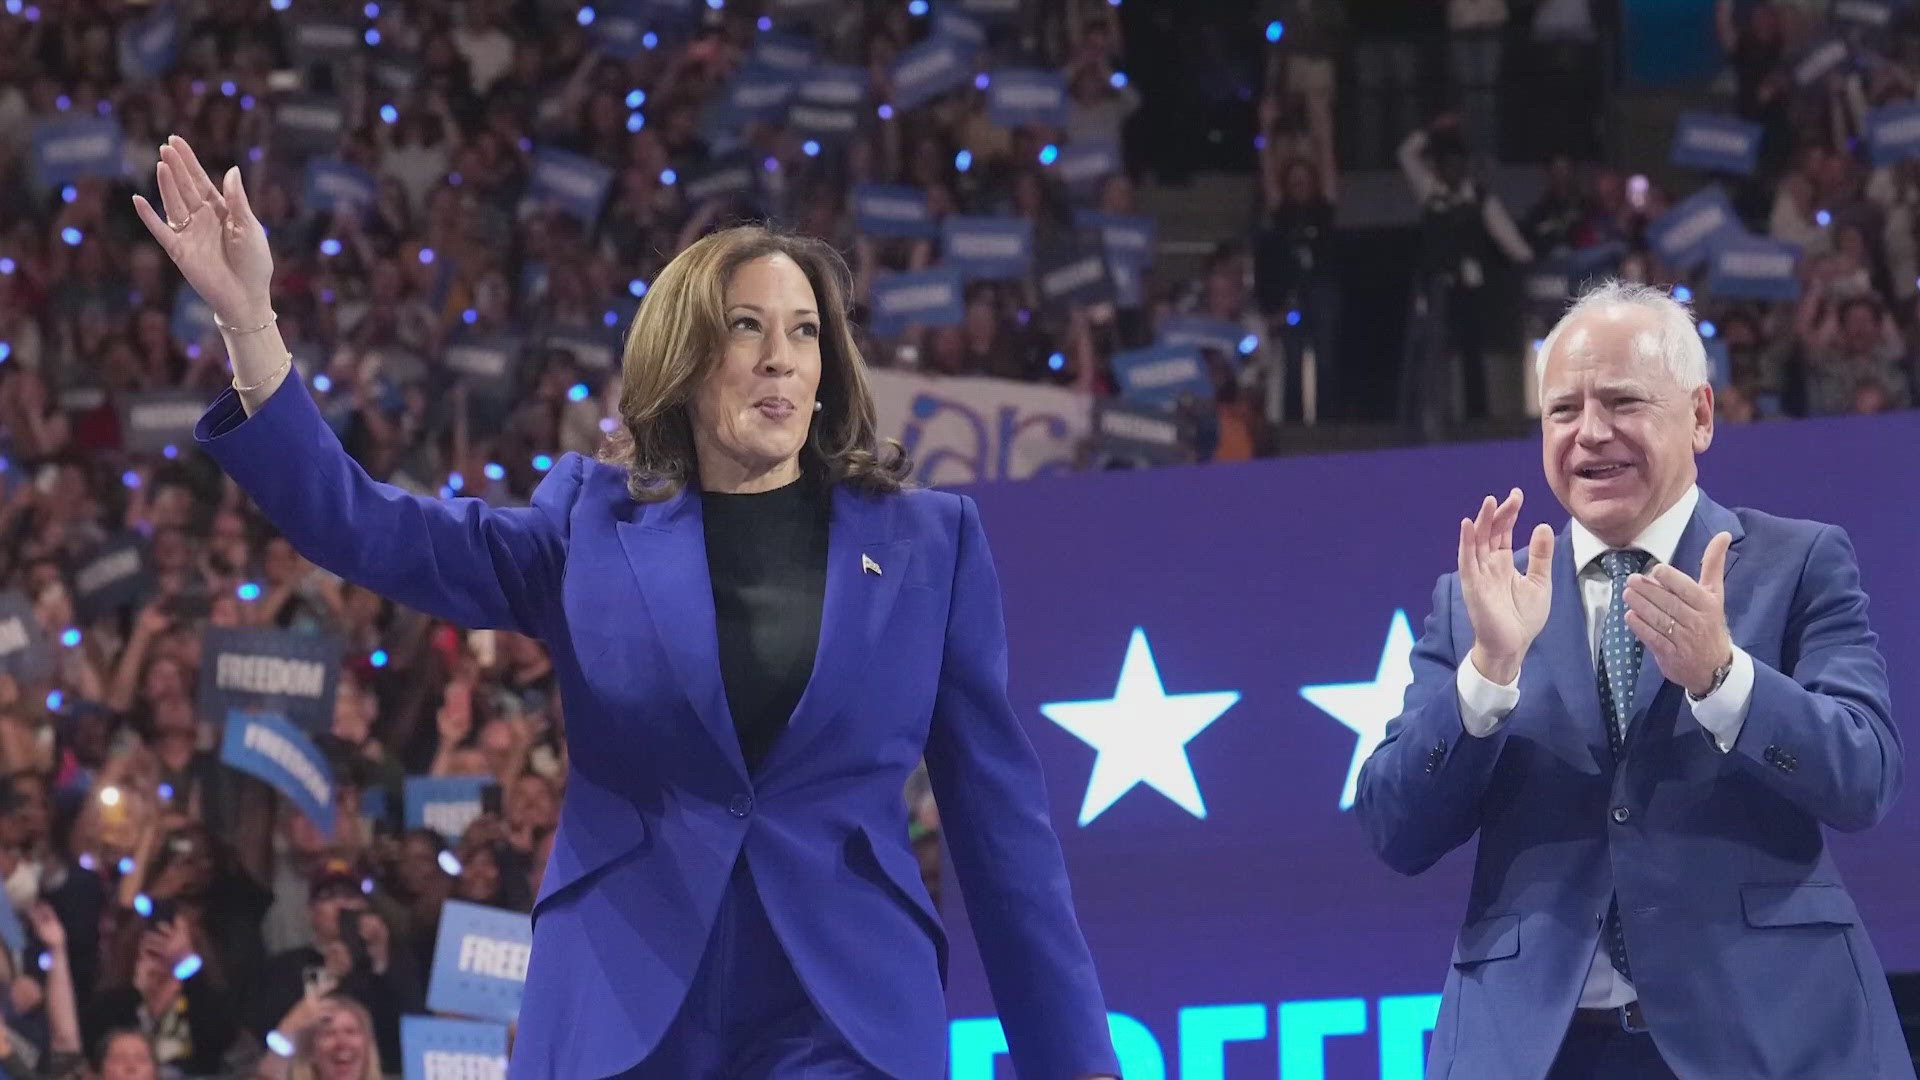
678,336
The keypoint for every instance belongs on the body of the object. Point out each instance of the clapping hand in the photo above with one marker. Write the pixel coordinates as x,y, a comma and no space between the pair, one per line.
1508,608
1683,622
210,233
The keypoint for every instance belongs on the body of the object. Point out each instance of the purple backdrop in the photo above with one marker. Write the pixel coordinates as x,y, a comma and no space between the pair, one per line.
1268,577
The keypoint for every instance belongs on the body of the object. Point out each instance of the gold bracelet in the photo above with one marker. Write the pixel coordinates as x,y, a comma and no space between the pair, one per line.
237,330
284,365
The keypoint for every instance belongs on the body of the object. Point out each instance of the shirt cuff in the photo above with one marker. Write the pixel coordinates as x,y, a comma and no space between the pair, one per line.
1484,704
1724,711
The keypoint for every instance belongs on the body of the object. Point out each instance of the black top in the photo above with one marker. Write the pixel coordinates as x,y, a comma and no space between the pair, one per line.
767,556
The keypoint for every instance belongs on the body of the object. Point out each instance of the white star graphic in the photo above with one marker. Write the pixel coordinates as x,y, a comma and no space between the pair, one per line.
1366,707
1140,734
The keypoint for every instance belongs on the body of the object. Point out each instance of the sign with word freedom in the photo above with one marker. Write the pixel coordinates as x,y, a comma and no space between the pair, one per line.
480,962
280,671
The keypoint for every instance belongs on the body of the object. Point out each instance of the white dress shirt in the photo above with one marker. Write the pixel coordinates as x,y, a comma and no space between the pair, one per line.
1484,704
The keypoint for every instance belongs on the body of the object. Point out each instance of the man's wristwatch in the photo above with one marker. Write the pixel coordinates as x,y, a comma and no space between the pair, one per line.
1719,677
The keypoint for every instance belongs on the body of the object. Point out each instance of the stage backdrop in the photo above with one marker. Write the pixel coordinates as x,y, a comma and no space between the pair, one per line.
1241,925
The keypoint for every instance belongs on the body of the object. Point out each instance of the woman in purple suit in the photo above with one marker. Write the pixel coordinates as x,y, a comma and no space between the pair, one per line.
759,631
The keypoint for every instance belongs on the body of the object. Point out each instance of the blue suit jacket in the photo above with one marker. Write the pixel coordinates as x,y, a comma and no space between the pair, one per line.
659,803
1747,952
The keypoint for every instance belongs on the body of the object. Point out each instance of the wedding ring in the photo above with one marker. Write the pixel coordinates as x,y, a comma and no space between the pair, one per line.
1670,621
181,224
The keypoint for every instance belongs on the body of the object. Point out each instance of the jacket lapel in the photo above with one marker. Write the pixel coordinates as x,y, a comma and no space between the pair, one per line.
1564,640
667,550
1709,519
853,614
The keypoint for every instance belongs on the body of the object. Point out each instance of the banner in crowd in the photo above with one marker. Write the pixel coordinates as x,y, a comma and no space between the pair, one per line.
12,934
488,361
893,210
933,297
66,150
964,429
948,22
1819,60
620,35
480,962
308,123
595,350
26,653
828,103
1865,14
445,804
987,248
437,1048
930,69
1893,133
1018,96
577,185
397,74
1161,375
1686,235
265,746
324,41
1754,268
1073,274
1127,437
1128,237
1719,362
989,9
1550,283
1223,335
332,183
109,578
727,177
1716,143
782,51
759,93
149,45
156,419
192,320
1082,166
268,670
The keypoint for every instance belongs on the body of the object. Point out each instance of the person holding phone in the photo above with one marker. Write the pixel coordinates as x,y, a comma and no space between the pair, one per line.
759,631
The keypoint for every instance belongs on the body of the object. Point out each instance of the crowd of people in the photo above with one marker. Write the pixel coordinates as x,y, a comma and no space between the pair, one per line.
176,915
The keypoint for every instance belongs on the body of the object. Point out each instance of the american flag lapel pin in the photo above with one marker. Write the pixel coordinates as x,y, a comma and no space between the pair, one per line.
867,564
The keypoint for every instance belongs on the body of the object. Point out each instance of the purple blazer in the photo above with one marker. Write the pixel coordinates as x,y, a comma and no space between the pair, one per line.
912,662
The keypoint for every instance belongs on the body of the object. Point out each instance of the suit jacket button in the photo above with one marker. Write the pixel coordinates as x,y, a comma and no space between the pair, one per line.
1621,814
740,805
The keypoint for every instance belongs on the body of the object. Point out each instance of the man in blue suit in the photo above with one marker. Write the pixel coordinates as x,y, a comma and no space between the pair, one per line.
1647,721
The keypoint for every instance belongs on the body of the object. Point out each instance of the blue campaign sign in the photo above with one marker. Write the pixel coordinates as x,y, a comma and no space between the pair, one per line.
760,92
933,297
930,69
576,184
1230,946
1017,96
1128,290
445,804
488,360
1822,58
309,123
1083,165
111,577
989,9
829,103
786,52
156,419
1223,335
1893,132
893,210
332,183
1866,14
619,34
1719,362
1550,283
1684,236
324,41
12,934
148,46
192,320
480,962
1074,272
437,1048
280,671
733,176
1161,375
26,652
1140,437
990,248
1716,143
66,150
948,22
1128,237
596,349
1755,268
265,746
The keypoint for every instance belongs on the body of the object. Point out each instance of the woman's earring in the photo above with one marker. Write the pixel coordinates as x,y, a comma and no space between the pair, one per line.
818,404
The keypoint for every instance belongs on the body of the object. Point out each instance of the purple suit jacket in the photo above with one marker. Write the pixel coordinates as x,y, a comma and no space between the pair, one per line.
659,803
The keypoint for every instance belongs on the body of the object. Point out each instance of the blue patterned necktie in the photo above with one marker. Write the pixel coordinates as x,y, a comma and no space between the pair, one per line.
1620,652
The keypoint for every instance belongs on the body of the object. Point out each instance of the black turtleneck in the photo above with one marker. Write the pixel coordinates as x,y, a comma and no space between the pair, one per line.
767,556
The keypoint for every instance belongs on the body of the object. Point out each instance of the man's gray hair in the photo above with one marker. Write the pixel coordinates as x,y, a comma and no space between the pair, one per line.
1675,341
